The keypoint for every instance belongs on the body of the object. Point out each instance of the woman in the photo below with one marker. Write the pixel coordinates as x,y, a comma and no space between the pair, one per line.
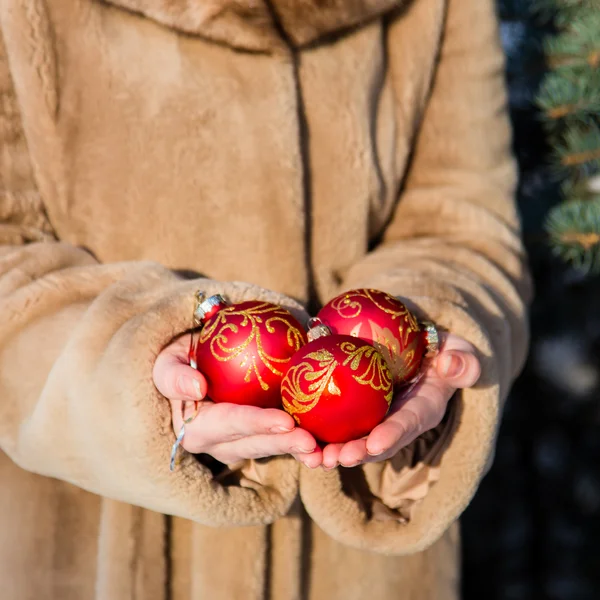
305,148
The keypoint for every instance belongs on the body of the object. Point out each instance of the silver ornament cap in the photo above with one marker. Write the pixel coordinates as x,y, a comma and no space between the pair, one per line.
208,306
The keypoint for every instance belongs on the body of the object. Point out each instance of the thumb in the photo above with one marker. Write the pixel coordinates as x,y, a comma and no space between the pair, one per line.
176,380
458,368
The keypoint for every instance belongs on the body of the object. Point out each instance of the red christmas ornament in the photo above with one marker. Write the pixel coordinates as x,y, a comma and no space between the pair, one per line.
243,351
338,388
383,321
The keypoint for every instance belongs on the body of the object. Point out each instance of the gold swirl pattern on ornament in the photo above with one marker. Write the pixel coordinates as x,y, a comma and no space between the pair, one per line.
400,360
377,373
348,308
251,318
295,399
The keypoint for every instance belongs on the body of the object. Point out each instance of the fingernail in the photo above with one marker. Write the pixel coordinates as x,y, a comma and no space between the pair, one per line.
190,387
281,429
451,365
376,453
297,450
351,464
327,468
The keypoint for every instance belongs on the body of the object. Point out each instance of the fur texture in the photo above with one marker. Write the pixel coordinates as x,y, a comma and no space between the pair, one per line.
256,24
290,145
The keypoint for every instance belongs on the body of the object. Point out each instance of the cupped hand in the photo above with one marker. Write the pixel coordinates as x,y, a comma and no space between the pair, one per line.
414,412
227,432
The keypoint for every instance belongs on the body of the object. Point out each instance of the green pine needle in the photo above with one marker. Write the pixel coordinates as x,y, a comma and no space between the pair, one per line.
570,100
579,44
571,95
582,190
574,230
563,12
578,152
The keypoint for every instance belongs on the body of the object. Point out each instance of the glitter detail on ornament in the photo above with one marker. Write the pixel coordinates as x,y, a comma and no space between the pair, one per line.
377,374
364,358
333,389
244,350
348,306
295,399
220,344
337,388
384,322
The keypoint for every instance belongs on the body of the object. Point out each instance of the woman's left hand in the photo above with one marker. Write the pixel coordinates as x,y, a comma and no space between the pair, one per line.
411,414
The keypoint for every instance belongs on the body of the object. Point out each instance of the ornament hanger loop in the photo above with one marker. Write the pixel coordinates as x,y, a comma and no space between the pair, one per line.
173,462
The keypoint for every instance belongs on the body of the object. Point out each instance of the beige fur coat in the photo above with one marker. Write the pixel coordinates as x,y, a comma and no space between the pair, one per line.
303,147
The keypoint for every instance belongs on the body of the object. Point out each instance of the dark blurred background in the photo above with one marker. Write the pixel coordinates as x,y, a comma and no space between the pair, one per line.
533,530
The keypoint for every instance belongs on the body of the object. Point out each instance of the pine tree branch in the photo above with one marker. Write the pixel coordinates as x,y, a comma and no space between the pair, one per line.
592,60
570,100
573,93
585,240
578,150
580,158
574,230
582,190
563,12
564,110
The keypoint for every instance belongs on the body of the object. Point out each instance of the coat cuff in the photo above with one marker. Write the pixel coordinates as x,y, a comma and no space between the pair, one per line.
405,504
88,411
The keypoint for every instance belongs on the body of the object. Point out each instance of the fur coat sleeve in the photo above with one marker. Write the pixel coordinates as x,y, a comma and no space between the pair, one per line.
453,252
78,340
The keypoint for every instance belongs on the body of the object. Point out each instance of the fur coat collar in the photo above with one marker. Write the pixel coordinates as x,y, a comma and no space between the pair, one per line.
260,25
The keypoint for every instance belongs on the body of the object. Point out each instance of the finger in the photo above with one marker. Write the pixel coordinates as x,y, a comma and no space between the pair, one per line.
180,347
353,453
458,368
331,454
312,460
181,411
262,446
450,341
221,423
411,417
175,379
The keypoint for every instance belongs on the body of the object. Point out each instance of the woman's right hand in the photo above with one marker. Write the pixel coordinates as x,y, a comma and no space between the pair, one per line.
228,432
